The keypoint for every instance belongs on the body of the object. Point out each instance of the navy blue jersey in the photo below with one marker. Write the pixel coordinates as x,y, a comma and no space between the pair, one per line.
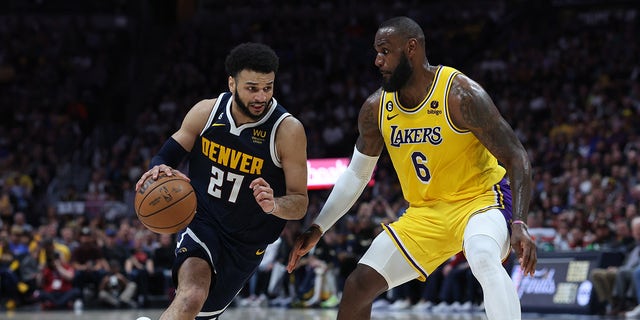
224,160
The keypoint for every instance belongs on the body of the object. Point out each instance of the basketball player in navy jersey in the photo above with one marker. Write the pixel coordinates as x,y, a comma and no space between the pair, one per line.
248,167
448,144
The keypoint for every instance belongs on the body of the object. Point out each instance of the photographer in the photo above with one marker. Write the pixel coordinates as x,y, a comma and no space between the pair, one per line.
56,284
115,289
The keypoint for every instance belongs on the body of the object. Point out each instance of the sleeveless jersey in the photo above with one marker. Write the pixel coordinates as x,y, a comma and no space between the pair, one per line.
435,161
224,160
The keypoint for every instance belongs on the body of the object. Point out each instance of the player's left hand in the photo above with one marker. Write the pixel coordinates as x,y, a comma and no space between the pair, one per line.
264,195
525,248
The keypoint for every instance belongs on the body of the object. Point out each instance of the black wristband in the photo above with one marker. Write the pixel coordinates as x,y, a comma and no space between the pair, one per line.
170,154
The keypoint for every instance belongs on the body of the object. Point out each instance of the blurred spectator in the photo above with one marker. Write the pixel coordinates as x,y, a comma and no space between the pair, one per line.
68,238
613,284
56,289
9,274
604,237
561,241
26,255
139,267
163,257
89,263
6,207
113,248
48,246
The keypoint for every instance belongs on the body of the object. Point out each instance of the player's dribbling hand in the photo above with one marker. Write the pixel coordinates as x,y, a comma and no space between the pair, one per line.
304,243
525,249
155,172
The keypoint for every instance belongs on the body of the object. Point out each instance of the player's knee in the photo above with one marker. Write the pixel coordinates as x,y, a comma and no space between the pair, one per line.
483,255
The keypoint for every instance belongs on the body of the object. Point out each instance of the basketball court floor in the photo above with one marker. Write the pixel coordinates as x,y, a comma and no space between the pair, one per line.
271,314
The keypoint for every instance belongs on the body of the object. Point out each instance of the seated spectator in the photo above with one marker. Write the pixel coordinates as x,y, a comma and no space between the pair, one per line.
561,240
138,267
113,248
89,263
163,257
56,284
604,236
613,284
49,246
635,312
9,279
23,267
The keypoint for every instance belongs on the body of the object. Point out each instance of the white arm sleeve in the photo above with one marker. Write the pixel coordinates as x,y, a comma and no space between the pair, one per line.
347,189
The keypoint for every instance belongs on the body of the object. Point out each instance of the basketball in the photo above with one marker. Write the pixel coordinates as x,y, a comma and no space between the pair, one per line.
166,205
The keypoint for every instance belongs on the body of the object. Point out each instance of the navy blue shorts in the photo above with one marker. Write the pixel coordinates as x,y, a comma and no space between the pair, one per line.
232,264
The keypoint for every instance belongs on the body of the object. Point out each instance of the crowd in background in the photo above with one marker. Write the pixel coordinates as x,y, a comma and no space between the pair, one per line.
86,100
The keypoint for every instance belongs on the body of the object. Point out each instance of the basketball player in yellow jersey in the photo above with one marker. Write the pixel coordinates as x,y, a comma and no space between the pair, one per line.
446,139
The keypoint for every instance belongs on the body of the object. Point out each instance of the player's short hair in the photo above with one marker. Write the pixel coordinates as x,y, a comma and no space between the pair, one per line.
406,27
251,56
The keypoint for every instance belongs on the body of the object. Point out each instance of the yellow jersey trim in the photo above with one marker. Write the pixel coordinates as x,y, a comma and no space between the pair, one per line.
446,105
419,106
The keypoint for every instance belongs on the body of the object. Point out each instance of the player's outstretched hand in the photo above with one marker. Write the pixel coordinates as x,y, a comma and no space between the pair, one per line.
155,172
525,248
304,243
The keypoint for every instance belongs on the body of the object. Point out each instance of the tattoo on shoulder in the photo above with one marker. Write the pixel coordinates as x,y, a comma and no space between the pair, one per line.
369,113
475,106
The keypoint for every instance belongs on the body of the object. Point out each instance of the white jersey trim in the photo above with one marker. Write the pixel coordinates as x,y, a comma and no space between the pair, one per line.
212,114
235,130
272,141
195,238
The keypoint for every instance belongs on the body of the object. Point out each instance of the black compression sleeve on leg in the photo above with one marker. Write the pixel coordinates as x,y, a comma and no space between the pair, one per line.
170,154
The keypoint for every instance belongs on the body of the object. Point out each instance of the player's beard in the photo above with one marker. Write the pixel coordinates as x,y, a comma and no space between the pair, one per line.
399,77
245,109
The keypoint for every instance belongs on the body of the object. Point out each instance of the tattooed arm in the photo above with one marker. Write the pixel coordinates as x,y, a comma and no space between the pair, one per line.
471,108
370,140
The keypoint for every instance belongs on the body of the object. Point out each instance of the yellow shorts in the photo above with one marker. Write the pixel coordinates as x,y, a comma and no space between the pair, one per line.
428,236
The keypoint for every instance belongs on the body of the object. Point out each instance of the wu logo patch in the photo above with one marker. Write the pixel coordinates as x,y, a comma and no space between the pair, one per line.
259,136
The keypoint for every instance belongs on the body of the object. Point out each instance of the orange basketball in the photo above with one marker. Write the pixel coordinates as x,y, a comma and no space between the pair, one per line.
165,205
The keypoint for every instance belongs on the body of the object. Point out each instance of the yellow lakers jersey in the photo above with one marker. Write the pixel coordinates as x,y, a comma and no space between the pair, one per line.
434,160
